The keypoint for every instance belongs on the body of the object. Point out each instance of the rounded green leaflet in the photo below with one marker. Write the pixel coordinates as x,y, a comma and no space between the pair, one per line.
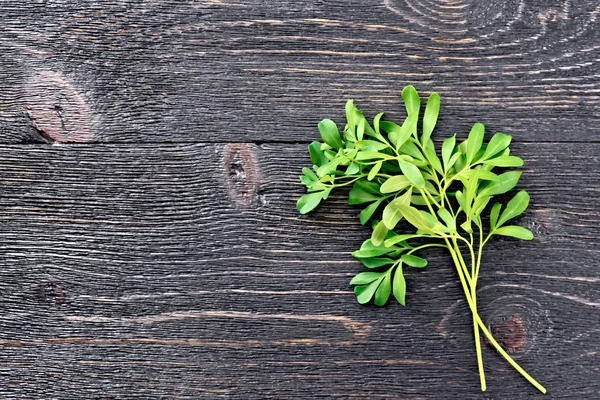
379,233
399,286
411,100
430,118
375,262
330,134
317,157
392,214
359,195
368,211
447,149
505,182
497,143
383,291
414,261
494,215
395,183
413,174
515,231
365,277
515,207
365,293
309,202
374,170
474,141
505,161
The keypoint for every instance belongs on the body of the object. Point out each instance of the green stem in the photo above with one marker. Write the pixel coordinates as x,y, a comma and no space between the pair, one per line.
487,333
474,300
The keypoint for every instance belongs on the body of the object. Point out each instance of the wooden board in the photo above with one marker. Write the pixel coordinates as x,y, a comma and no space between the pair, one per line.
149,165
247,71
183,270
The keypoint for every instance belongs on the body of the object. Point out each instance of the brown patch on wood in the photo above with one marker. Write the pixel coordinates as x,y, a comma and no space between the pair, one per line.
242,172
178,342
510,333
56,109
360,330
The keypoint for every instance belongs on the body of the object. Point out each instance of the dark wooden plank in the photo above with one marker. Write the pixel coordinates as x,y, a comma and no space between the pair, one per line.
247,71
184,271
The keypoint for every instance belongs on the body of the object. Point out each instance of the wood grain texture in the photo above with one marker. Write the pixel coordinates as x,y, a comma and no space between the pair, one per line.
247,71
136,272
150,154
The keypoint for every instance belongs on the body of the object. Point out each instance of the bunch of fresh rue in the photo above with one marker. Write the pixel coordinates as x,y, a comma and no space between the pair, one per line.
398,174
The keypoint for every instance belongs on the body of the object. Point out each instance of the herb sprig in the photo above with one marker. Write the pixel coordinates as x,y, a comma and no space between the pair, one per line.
397,174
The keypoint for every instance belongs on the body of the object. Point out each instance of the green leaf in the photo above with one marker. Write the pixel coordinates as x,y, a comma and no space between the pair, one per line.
515,207
383,291
430,118
408,128
399,238
371,252
309,173
353,169
497,143
447,149
392,213
494,215
365,293
395,184
366,277
411,100
360,129
514,231
479,205
447,218
359,195
487,175
328,168
454,160
413,261
505,182
309,202
505,161
474,141
414,217
411,149
368,211
379,233
374,262
399,285
330,134
462,201
317,157
372,155
371,145
374,170
467,226
367,186
434,160
413,174
351,116
376,122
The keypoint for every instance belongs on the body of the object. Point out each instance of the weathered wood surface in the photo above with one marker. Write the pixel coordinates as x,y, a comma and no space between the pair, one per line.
161,256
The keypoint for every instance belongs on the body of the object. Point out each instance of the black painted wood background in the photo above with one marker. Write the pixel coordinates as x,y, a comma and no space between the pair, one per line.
149,154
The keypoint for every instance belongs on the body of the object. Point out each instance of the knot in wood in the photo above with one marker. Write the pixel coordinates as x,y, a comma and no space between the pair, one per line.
510,333
242,172
56,109
50,292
